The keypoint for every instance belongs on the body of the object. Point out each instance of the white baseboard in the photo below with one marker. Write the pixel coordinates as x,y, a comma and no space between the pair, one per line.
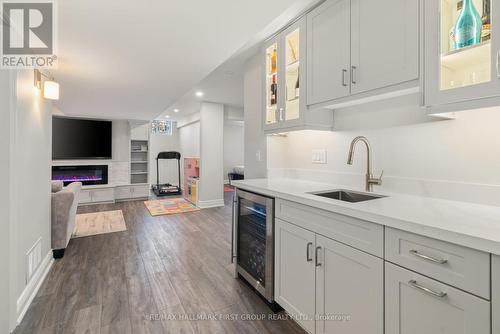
211,203
31,289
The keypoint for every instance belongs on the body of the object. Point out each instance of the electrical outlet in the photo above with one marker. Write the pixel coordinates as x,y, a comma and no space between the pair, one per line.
319,156
33,259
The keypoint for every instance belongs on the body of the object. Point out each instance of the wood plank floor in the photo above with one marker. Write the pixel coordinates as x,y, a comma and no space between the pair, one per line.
162,275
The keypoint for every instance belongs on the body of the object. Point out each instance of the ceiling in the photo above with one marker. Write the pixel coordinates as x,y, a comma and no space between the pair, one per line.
135,59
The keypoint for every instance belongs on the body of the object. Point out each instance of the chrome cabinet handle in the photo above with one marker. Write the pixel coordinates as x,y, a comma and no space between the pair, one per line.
427,257
281,115
318,249
498,64
344,77
415,285
353,74
308,254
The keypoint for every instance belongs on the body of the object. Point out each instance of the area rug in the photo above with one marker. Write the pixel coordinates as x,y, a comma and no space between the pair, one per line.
169,206
99,223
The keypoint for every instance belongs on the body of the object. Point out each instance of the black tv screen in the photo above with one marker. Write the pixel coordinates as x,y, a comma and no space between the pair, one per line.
74,138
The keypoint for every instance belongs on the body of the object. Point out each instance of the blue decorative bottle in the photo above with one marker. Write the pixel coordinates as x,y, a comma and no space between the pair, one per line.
468,26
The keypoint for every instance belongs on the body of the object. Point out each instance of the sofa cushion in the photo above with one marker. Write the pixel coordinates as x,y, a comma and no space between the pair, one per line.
57,186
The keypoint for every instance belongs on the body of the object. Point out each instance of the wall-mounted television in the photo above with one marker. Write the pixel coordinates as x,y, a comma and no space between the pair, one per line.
82,139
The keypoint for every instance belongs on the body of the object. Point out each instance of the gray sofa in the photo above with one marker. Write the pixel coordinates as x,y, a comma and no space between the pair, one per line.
64,205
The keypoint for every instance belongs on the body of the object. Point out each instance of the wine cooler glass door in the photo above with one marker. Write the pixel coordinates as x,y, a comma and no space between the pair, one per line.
252,239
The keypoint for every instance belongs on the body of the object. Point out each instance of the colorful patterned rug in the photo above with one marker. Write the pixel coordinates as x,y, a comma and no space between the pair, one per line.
169,206
99,223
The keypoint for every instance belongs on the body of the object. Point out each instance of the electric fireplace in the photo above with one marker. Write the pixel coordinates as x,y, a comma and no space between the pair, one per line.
87,175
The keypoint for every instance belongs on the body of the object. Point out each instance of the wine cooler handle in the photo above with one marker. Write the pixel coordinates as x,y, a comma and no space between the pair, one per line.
318,249
344,77
308,252
353,74
233,226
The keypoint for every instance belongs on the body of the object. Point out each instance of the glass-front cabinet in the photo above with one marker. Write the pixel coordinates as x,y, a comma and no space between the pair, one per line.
462,45
283,79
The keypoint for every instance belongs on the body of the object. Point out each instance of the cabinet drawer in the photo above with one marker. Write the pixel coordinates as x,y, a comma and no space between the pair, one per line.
103,195
462,267
140,191
123,193
363,235
415,304
85,197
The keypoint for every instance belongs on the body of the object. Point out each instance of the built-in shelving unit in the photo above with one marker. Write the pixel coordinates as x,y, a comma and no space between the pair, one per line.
139,165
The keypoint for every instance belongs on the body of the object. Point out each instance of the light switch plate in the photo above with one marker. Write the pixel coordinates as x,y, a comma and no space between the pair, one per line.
319,156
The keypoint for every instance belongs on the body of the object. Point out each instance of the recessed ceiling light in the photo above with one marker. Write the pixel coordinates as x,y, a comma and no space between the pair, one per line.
199,94
176,110
167,116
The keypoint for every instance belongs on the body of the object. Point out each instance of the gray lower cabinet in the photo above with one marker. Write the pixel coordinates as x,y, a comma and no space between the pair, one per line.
295,272
349,290
415,304
328,286
495,293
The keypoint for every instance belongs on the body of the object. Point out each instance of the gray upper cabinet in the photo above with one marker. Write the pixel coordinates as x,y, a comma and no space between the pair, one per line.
415,304
385,43
457,75
328,51
358,46
285,83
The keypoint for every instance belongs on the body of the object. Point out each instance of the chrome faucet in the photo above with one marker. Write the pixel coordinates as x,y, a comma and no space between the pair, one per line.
370,180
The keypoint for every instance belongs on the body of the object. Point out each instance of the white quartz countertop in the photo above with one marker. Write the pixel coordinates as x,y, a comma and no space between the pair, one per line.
467,224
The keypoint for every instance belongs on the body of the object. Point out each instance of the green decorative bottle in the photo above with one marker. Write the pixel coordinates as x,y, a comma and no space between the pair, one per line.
468,26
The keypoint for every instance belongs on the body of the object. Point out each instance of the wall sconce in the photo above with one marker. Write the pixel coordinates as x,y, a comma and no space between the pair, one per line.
49,87
51,90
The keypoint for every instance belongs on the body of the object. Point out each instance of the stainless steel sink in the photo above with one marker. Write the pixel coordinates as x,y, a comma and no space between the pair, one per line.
347,195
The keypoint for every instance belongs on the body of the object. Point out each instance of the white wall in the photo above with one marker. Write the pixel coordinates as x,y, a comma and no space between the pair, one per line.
234,146
5,98
255,140
30,161
168,168
211,190
189,141
457,159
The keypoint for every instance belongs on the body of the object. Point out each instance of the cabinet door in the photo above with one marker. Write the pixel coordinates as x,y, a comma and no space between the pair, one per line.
349,290
141,191
123,193
103,195
495,293
328,51
457,72
293,41
415,304
295,272
273,112
139,132
385,43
